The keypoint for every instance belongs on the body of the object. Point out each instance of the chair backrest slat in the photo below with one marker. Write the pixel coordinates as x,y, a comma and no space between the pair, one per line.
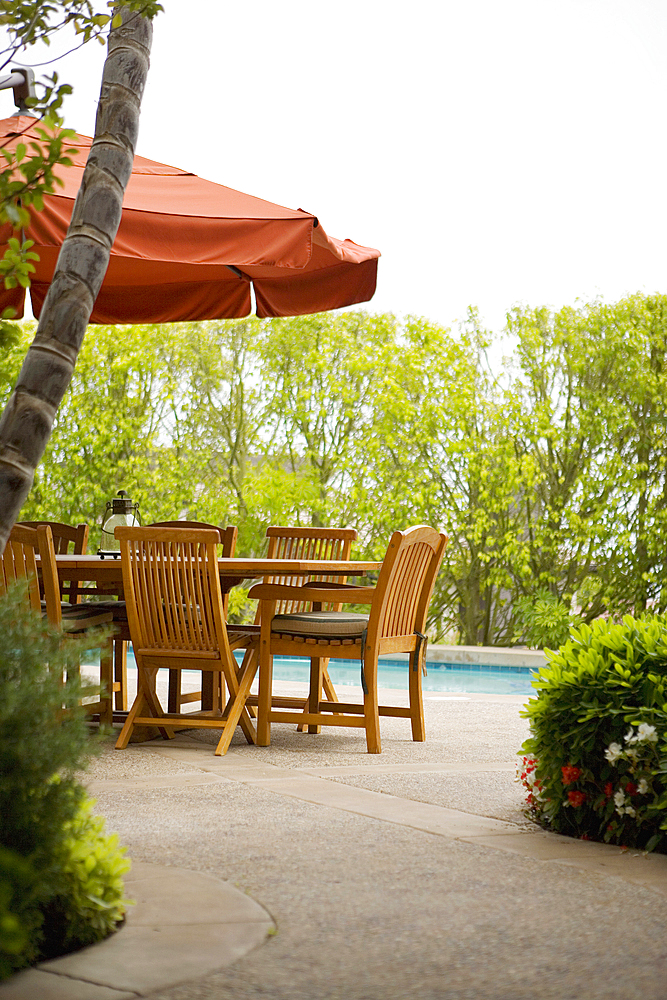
307,543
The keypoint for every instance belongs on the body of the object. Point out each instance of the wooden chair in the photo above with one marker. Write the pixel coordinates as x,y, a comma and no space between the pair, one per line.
305,543
122,637
19,563
175,611
66,538
205,695
396,623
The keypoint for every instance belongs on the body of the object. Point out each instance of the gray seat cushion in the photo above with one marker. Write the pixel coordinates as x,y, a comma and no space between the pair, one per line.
328,624
117,608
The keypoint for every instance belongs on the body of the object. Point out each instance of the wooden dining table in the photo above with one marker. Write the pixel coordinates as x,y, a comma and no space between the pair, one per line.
107,574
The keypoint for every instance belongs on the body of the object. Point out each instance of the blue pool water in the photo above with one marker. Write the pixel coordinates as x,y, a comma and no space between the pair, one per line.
443,678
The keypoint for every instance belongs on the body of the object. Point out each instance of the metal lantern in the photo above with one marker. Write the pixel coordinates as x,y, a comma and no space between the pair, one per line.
120,510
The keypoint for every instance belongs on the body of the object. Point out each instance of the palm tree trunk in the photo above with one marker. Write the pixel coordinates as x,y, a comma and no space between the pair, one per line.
25,425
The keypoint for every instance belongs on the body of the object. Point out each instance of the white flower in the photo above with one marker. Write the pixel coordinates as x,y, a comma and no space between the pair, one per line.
646,733
619,798
630,811
642,787
630,736
613,752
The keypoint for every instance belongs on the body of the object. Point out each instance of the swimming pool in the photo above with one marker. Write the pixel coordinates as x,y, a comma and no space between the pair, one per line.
442,677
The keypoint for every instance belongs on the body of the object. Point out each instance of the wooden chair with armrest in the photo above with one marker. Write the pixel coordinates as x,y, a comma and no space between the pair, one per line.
305,543
19,562
171,582
396,623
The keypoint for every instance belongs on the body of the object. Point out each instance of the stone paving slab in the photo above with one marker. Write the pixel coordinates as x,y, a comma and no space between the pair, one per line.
184,924
34,984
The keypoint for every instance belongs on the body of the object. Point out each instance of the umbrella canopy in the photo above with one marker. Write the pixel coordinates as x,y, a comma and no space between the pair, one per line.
188,249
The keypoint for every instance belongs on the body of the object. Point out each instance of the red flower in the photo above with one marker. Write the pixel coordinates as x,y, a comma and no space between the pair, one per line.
570,774
631,788
608,789
576,798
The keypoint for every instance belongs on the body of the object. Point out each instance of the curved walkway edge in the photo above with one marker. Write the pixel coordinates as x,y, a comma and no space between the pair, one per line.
184,925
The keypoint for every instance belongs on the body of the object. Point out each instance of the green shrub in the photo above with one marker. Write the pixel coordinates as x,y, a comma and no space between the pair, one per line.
20,918
542,621
90,900
46,824
43,732
595,765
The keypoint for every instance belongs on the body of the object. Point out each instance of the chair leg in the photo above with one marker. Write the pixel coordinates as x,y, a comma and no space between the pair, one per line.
237,708
231,675
207,691
174,696
251,651
371,712
417,705
120,674
327,684
329,691
126,731
146,698
315,691
106,681
264,701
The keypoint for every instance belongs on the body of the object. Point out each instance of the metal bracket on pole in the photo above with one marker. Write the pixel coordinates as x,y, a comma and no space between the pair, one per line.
22,81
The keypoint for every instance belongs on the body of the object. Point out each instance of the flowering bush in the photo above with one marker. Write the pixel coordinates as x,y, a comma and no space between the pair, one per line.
595,765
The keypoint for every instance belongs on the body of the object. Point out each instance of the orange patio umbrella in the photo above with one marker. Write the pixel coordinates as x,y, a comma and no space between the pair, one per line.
189,249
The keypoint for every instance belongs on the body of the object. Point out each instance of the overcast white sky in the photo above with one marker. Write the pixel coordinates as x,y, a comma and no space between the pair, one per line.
495,151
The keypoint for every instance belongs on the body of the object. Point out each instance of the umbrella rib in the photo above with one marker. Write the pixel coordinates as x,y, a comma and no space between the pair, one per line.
238,272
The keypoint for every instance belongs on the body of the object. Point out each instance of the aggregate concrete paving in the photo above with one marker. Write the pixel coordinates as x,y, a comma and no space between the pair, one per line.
407,874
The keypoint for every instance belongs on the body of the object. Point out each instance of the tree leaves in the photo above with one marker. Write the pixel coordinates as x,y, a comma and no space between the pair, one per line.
544,478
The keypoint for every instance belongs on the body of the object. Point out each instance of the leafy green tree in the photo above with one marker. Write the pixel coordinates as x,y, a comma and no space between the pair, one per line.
594,393
321,375
117,428
551,479
219,425
441,451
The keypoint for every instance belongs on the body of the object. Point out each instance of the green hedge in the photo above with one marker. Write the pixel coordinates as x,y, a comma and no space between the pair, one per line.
595,765
60,874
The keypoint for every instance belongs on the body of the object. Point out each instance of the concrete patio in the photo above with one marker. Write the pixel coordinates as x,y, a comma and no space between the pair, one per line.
311,869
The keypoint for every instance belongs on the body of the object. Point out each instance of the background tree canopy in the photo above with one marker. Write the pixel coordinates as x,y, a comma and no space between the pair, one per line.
551,476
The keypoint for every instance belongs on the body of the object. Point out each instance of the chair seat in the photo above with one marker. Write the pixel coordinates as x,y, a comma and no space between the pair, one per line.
325,624
79,617
118,609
